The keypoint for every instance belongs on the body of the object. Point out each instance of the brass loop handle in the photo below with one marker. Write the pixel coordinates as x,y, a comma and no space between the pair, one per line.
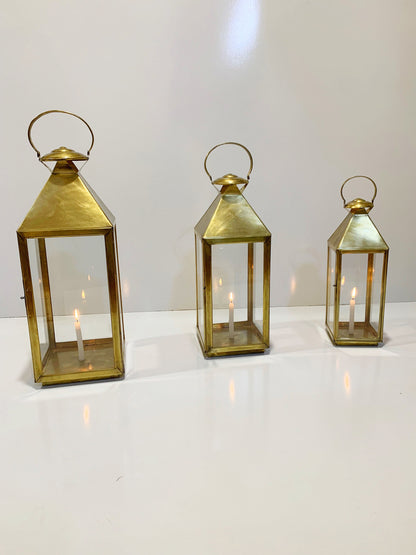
56,112
354,177
229,143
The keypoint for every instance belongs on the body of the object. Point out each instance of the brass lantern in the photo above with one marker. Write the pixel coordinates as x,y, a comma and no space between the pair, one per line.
232,271
356,276
69,260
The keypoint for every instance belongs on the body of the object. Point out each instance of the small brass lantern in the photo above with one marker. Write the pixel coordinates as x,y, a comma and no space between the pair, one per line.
356,278
69,260
232,271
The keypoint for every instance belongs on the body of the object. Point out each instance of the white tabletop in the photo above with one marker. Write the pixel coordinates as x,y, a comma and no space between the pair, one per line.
310,449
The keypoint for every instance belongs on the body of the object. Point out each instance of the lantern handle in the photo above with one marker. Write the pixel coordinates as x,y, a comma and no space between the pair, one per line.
354,177
34,120
229,143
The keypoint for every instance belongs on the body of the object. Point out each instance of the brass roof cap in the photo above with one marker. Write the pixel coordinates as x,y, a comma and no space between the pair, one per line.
359,205
63,153
230,179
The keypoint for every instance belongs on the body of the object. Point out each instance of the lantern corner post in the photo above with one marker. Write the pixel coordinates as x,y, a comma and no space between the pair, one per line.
119,289
115,300
250,283
383,295
196,280
338,267
328,285
30,307
46,287
207,281
266,290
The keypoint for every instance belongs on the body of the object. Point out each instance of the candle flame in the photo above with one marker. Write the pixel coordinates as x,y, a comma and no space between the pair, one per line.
231,297
83,294
343,280
76,314
89,277
353,293
220,282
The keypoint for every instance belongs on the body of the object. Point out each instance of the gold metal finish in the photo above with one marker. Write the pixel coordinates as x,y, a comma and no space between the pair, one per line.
63,153
356,177
68,207
369,290
356,235
229,220
34,120
47,291
241,180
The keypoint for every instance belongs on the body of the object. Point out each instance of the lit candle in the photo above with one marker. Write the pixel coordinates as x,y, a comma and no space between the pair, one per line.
352,310
80,344
231,317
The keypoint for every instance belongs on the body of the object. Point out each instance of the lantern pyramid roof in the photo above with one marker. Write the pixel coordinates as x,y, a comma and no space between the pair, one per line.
357,232
66,205
230,218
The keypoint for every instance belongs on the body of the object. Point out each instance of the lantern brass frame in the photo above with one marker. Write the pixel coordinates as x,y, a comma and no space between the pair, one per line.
357,234
68,207
230,219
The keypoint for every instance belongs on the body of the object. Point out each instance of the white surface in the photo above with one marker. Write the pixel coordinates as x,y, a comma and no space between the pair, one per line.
310,449
318,90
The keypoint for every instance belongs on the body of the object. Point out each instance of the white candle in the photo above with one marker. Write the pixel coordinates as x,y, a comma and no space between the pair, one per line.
352,310
81,355
231,317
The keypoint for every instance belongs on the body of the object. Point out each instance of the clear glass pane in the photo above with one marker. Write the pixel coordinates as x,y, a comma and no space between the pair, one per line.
233,278
229,280
331,283
78,281
360,295
38,293
199,287
77,302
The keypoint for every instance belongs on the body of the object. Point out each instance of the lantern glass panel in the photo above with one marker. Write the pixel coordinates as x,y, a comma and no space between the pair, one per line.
76,270
200,286
237,294
38,293
331,285
360,291
78,281
229,277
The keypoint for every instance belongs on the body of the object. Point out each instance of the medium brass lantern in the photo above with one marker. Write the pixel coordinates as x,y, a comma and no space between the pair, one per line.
69,260
232,271
356,278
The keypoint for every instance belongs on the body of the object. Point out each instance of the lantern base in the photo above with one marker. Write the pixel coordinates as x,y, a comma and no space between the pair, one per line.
363,334
61,364
246,339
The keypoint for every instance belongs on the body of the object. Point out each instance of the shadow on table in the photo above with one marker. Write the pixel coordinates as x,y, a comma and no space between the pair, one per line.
170,354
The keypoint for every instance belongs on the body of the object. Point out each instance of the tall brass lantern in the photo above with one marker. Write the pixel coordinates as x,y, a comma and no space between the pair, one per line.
356,278
232,271
69,260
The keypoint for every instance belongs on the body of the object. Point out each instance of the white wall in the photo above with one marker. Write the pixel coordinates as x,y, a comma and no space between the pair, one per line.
318,90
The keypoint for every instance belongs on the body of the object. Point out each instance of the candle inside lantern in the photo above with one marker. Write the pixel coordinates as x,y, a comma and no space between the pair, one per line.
231,317
352,310
81,355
